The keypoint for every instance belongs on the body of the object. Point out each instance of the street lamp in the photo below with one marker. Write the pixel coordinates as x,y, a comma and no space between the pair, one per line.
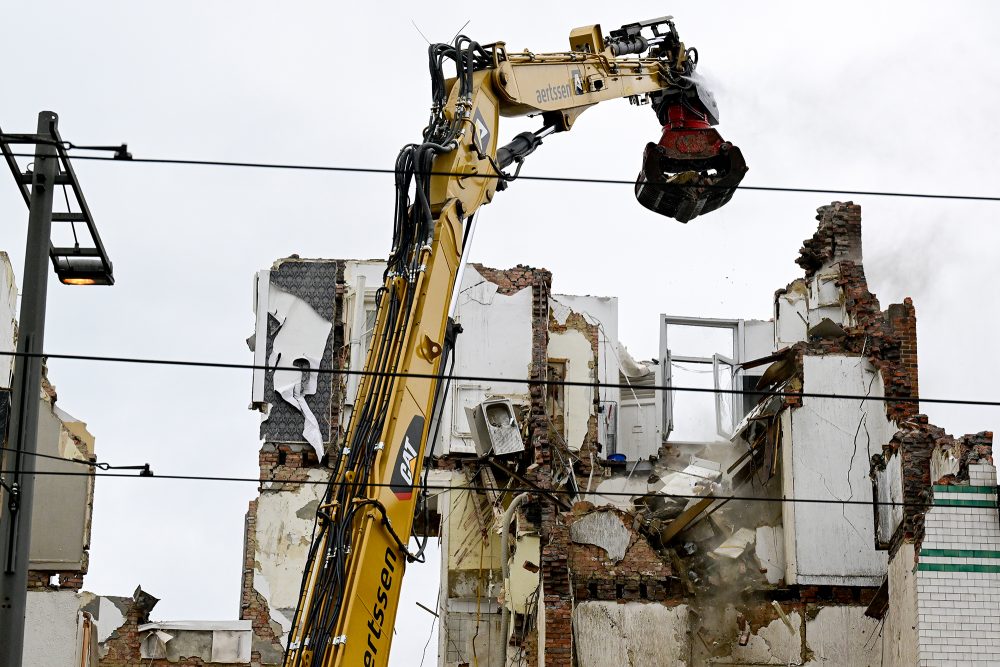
73,266
81,270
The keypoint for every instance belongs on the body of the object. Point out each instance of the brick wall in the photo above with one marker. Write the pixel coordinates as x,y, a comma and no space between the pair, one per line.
641,576
512,281
68,580
557,598
915,443
837,237
887,339
322,285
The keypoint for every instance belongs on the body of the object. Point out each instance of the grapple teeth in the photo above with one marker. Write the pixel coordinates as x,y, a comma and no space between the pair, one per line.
689,173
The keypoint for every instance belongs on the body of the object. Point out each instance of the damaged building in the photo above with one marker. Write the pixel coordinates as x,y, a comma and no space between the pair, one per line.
714,505
590,523
66,626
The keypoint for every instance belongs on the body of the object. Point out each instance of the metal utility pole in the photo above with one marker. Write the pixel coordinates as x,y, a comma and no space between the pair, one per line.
15,524
76,265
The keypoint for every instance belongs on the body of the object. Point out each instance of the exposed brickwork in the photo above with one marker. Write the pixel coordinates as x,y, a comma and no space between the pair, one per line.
850,595
122,647
556,593
642,575
341,359
915,442
512,281
888,339
284,462
837,238
69,580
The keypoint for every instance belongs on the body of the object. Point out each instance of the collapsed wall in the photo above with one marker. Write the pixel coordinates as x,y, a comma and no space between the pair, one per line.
646,577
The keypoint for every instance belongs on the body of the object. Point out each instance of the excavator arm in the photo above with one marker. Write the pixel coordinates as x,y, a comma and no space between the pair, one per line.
351,585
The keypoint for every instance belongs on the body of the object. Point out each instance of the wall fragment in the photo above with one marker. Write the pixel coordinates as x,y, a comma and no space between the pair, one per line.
634,634
602,529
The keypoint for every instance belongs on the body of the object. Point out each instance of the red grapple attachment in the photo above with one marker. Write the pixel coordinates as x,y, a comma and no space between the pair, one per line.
691,171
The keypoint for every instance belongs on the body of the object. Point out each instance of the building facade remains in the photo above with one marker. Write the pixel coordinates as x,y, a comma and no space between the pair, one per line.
621,518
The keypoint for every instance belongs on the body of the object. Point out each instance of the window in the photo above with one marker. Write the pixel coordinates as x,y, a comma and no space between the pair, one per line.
704,354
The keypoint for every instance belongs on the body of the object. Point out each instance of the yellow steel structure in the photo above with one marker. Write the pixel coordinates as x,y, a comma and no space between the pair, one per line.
350,591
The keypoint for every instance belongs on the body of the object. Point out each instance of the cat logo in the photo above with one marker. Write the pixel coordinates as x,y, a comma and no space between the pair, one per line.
481,134
406,462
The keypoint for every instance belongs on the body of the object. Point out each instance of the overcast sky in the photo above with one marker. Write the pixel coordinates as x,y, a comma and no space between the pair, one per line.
854,95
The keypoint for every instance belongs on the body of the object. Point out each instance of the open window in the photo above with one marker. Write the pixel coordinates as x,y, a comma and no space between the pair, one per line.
728,406
702,354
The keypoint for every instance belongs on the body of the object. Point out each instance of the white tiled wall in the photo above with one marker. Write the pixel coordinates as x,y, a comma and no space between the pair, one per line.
958,575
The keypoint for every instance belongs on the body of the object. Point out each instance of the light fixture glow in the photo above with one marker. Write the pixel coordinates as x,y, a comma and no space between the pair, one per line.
83,270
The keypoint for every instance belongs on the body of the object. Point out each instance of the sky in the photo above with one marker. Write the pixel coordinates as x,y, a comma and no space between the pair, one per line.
867,96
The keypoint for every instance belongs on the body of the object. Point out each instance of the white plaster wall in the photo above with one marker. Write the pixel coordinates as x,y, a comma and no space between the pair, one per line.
843,635
603,312
791,315
523,583
578,402
363,279
889,484
826,298
284,533
8,317
758,341
790,490
496,342
50,629
635,634
109,619
831,447
772,644
371,270
902,622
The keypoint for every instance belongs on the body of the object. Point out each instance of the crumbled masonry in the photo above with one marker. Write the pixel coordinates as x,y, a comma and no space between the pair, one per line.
581,555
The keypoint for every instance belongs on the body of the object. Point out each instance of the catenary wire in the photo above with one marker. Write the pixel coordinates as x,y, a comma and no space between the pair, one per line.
498,489
479,378
562,179
100,465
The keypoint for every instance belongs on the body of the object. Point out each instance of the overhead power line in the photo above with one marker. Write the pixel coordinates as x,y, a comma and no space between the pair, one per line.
498,489
483,378
562,179
144,468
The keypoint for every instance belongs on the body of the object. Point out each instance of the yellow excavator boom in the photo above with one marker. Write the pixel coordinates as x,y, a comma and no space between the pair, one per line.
351,585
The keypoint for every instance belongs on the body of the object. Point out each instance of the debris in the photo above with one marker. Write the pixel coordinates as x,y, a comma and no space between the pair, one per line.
688,578
770,552
826,328
744,626
686,517
701,531
783,615
736,545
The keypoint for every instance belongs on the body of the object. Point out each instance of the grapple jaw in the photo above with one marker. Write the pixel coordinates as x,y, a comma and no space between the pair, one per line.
691,170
